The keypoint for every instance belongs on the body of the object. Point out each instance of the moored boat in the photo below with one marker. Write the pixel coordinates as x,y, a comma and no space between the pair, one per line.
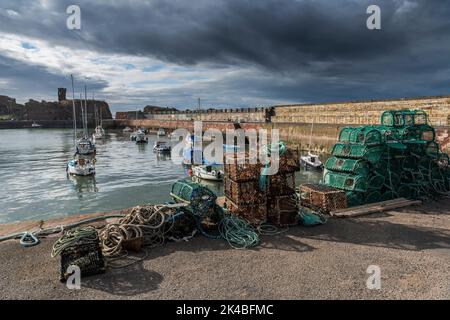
161,147
311,161
207,172
161,132
139,136
81,167
99,133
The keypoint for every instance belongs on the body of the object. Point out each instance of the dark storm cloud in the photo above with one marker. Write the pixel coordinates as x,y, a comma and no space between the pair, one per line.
25,81
304,50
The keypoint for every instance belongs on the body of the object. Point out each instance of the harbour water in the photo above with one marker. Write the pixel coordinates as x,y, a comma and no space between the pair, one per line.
34,183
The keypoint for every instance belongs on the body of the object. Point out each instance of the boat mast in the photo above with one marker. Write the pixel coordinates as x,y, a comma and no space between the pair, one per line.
310,134
95,111
74,114
85,111
101,117
82,112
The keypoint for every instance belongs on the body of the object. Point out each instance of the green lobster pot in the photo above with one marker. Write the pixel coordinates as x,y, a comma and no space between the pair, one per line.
432,149
345,181
373,196
200,199
392,180
354,198
389,195
367,135
406,191
353,166
409,133
400,118
410,164
426,132
381,168
376,181
357,151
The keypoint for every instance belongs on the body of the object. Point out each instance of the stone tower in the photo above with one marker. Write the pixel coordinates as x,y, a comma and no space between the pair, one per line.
61,94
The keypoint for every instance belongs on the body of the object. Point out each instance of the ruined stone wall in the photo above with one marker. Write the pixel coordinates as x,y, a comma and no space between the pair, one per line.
358,113
49,111
34,110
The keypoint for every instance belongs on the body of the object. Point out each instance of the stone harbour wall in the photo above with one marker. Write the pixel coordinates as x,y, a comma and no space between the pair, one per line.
361,113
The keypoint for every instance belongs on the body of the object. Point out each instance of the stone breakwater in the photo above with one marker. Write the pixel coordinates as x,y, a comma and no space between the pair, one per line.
295,122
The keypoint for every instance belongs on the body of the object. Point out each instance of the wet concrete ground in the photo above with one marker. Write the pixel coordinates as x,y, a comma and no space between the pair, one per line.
411,246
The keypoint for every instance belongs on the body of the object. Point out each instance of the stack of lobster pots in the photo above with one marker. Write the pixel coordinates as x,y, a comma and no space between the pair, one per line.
243,196
282,202
273,201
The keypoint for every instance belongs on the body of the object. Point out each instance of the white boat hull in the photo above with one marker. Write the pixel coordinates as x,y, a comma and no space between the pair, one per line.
77,170
199,173
313,165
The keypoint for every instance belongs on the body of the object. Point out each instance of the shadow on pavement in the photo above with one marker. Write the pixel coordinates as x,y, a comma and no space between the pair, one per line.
379,234
127,281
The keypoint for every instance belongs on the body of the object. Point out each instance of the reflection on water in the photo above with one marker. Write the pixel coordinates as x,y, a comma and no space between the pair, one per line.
83,184
35,184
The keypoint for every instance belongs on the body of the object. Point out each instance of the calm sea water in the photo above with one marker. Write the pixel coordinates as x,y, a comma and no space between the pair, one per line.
34,184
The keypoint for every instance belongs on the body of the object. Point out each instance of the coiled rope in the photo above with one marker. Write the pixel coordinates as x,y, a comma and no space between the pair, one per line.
147,221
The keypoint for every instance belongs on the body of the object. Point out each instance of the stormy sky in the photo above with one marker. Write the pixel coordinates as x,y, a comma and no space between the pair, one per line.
231,53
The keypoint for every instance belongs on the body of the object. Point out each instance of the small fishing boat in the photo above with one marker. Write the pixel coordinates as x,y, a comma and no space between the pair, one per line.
99,133
85,145
311,161
207,173
161,147
127,129
36,125
161,132
81,167
139,136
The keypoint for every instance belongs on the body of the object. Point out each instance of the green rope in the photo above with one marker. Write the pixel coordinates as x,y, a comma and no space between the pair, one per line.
309,219
85,235
238,233
267,229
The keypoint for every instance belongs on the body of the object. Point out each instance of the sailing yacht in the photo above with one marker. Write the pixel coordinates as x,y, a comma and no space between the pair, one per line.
99,132
78,165
85,146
